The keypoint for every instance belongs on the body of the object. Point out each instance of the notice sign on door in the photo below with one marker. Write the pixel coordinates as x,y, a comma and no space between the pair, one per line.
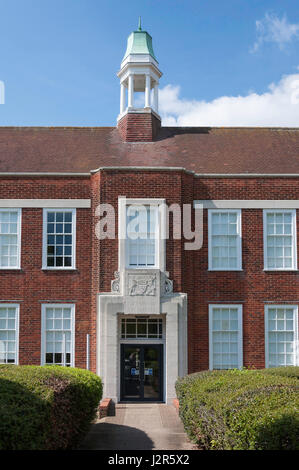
134,371
148,371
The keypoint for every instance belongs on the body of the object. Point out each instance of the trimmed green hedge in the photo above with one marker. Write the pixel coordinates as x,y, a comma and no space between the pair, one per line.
241,410
46,408
290,371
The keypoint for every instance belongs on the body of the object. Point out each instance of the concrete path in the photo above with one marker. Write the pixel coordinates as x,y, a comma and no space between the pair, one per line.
138,427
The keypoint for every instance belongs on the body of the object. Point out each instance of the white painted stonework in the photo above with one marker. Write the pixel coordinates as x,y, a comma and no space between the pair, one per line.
142,292
152,294
46,203
247,204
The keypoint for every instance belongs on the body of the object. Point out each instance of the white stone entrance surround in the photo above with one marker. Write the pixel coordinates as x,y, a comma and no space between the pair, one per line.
111,306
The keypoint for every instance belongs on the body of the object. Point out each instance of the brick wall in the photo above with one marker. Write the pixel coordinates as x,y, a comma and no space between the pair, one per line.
31,286
139,127
251,287
145,184
97,260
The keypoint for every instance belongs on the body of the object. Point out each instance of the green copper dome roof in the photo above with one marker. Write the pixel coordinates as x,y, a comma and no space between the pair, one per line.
140,42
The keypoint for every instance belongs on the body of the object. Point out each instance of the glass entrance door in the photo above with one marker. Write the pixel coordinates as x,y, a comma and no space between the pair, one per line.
141,372
130,367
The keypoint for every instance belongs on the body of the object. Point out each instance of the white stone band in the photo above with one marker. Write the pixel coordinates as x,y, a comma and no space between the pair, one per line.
46,203
247,204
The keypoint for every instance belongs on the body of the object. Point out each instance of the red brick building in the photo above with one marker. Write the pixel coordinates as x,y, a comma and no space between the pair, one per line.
142,311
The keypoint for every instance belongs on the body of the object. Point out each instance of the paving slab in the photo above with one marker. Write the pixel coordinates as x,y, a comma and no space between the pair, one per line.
139,427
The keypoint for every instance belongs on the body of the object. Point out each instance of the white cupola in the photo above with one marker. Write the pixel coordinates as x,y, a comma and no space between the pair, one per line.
139,72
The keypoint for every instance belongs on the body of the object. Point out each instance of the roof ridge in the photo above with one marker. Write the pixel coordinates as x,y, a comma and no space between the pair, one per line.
163,127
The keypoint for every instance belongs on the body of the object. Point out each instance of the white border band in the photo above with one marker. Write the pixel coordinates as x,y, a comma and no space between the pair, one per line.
296,342
122,224
238,235
46,203
45,241
43,330
246,204
239,307
293,235
17,329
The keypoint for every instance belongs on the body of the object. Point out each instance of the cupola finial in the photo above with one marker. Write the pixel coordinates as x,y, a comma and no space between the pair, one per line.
139,24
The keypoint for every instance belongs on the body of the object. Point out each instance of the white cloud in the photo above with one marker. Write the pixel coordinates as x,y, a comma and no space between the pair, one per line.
279,106
273,29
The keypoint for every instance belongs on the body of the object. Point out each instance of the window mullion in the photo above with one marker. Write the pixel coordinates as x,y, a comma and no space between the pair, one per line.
59,238
142,252
225,325
280,239
58,320
10,238
225,244
281,331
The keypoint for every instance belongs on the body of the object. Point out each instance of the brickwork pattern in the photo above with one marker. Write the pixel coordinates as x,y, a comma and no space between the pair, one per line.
139,127
97,260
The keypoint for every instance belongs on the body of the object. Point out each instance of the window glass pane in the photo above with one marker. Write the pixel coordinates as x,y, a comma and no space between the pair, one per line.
279,239
58,336
51,217
142,235
225,240
225,337
281,336
152,329
141,329
131,330
59,239
8,335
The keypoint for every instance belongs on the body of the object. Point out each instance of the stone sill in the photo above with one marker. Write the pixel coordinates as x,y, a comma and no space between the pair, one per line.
59,269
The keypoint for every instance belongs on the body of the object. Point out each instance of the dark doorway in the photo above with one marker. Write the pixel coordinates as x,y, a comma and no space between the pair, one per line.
142,372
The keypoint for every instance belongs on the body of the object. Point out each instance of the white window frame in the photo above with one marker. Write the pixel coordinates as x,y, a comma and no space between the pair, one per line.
145,338
17,307
123,202
19,235
296,340
240,332
43,330
45,241
294,238
239,238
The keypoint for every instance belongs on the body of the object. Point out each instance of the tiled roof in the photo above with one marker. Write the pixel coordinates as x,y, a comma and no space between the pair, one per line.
202,150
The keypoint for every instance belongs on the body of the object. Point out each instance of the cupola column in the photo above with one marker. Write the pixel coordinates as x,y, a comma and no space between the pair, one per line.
147,91
156,91
122,98
131,91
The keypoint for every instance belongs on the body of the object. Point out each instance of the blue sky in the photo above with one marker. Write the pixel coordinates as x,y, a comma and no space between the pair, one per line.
59,60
